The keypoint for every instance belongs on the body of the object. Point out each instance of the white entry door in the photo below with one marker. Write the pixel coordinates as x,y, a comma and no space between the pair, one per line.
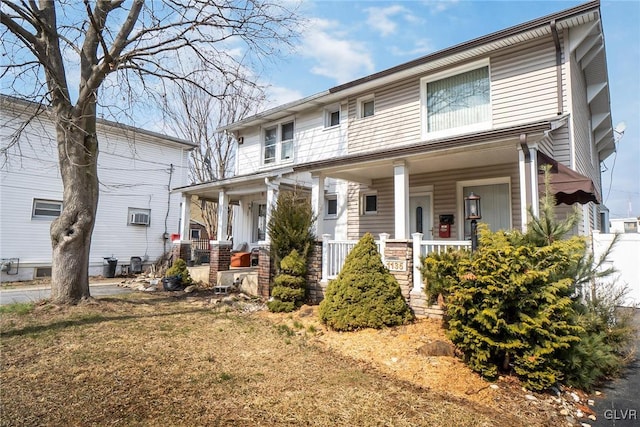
420,216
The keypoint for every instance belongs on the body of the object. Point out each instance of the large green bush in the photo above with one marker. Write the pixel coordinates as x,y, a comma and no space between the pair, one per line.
519,304
289,287
365,294
179,269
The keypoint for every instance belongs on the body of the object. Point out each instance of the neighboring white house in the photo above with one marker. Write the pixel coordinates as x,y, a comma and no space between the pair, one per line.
397,152
136,212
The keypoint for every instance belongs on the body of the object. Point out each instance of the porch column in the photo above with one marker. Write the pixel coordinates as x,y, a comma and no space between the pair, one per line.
272,198
223,215
417,275
185,217
317,202
522,168
401,199
533,165
325,258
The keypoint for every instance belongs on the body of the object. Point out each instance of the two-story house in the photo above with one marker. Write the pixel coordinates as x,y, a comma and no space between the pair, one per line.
136,212
398,151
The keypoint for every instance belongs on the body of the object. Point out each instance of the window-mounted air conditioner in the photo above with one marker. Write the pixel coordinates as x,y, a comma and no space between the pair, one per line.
139,218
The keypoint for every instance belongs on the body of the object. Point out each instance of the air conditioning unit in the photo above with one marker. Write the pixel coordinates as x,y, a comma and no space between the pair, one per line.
139,218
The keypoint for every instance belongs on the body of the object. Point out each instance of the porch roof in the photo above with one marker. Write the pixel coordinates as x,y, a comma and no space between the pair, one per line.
235,186
499,146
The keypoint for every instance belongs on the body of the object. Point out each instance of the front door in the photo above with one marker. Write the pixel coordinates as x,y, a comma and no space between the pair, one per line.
259,221
420,216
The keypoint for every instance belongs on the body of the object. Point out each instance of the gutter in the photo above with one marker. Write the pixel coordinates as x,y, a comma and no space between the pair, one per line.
556,42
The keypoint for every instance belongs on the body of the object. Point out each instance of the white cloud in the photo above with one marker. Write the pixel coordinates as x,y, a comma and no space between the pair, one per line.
437,6
380,18
335,56
278,95
420,47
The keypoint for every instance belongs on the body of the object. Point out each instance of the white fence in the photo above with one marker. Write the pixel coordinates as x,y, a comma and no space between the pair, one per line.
334,252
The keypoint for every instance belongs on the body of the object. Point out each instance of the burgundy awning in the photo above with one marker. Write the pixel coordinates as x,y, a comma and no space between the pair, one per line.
567,185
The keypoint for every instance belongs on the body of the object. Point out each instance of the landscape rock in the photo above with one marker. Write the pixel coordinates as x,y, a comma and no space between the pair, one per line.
190,289
437,348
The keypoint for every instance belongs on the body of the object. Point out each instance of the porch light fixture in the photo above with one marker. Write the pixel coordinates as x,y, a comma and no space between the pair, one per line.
473,213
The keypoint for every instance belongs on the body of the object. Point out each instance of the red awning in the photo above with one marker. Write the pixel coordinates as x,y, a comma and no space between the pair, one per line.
567,185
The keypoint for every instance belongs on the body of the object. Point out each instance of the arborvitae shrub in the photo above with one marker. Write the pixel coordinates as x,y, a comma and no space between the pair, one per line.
365,294
289,288
291,226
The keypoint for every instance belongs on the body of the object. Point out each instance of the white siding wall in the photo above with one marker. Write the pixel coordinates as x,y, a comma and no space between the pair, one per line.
134,171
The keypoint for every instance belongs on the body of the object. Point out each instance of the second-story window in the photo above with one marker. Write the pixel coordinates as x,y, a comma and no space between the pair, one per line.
457,102
278,143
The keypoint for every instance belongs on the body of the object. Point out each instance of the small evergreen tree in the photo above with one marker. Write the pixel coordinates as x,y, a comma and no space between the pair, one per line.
365,294
291,226
290,284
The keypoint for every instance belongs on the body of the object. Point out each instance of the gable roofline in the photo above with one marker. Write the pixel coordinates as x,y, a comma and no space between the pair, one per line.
27,105
454,54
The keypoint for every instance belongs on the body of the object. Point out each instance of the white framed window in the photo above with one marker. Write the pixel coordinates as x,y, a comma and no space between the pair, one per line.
332,117
495,203
139,216
331,206
456,101
195,233
369,203
46,209
278,143
366,106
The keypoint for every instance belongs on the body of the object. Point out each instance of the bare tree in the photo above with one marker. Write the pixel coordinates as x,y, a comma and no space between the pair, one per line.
194,114
133,47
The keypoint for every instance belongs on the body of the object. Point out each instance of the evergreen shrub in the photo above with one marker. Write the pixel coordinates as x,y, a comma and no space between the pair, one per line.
289,288
365,294
179,269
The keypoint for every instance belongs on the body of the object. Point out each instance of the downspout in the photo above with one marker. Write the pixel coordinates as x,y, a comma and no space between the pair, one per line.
556,41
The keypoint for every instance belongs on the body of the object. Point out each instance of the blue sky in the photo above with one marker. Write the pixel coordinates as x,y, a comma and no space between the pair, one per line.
344,40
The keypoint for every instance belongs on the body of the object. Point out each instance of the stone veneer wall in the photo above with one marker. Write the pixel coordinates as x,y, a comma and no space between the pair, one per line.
219,259
266,271
314,274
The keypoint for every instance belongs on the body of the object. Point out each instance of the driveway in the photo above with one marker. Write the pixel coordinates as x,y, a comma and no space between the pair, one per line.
36,293
619,405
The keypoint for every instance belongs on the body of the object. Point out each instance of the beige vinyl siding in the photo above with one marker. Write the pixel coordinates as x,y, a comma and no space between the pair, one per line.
444,198
523,83
396,120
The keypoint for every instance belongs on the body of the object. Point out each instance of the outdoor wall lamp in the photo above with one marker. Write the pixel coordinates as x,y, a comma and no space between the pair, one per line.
473,213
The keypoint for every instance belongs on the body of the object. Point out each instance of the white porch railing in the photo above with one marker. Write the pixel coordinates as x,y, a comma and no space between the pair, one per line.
334,252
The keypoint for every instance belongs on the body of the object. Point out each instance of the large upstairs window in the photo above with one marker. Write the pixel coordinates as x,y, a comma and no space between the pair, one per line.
457,102
278,143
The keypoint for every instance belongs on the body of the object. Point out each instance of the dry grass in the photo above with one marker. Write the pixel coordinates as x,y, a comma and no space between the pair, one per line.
147,360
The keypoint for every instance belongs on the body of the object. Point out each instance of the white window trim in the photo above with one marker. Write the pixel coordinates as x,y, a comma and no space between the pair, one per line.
44,217
191,230
328,111
360,106
326,204
278,154
487,125
363,204
476,182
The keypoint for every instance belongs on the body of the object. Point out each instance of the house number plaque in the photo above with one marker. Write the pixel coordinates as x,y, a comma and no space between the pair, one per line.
396,264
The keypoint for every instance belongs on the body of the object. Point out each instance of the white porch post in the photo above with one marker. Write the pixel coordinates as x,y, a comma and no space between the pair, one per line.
401,199
417,275
272,197
383,244
535,200
317,202
223,215
522,167
185,217
325,257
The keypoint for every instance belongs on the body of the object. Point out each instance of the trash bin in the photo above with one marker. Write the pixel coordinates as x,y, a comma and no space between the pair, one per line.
136,265
110,267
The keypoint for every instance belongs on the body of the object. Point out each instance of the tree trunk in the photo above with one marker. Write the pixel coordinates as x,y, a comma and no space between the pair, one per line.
71,232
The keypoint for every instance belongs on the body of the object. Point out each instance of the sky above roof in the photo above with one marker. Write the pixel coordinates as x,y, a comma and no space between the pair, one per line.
345,40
